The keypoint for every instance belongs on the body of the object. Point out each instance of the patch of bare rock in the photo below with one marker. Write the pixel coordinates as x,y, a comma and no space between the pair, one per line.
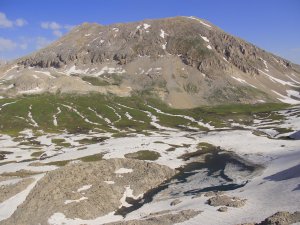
8,191
90,190
162,219
219,199
280,218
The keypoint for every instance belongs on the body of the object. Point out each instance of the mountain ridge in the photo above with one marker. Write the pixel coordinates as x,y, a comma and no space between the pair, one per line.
186,61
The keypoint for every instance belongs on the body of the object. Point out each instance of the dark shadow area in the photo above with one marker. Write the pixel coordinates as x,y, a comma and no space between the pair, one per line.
214,163
287,174
295,136
297,188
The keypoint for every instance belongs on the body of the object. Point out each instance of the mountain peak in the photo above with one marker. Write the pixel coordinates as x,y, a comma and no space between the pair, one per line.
187,61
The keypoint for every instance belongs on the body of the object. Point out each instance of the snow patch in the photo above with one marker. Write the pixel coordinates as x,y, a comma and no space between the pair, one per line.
109,182
146,26
8,207
33,122
10,69
287,99
204,38
74,70
109,70
127,193
203,23
123,170
46,73
84,188
55,116
32,91
243,81
162,33
60,218
77,200
293,93
276,80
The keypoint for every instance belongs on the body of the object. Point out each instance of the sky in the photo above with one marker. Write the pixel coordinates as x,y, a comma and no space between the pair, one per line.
28,25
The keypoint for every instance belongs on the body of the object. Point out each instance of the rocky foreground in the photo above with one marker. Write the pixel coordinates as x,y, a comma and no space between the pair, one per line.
243,172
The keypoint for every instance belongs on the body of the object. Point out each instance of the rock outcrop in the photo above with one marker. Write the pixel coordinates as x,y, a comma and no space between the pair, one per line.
88,190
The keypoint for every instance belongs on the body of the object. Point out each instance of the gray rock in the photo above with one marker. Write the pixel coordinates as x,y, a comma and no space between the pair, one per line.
51,192
280,218
162,219
223,209
175,202
224,200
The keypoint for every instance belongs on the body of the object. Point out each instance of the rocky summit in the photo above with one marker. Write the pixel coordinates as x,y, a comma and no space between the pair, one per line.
186,61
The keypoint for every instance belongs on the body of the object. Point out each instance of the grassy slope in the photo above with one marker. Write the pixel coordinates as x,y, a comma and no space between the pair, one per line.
14,117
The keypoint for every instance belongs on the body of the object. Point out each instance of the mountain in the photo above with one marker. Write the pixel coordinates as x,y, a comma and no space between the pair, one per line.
186,61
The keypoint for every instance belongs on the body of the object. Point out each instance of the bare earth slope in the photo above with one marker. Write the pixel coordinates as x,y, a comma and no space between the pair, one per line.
185,60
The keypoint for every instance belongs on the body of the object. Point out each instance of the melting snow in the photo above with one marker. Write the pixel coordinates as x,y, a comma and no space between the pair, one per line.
33,122
79,114
183,116
55,116
162,33
34,90
109,182
84,188
5,104
46,73
109,70
205,38
8,207
243,81
194,18
276,80
293,93
297,82
87,35
77,200
74,70
287,99
13,67
123,170
266,65
146,26
127,193
60,218
209,47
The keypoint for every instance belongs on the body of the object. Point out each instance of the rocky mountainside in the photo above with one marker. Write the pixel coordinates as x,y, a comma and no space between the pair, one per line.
186,61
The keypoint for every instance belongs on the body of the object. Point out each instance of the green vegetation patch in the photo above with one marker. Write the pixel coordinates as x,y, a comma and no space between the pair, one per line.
93,140
92,158
61,142
143,155
203,148
37,154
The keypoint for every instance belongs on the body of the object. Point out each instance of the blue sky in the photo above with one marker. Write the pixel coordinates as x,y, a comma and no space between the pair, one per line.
27,25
